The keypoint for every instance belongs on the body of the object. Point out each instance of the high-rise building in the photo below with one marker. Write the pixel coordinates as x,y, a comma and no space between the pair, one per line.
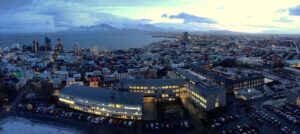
58,48
95,50
185,39
35,46
59,45
76,48
47,44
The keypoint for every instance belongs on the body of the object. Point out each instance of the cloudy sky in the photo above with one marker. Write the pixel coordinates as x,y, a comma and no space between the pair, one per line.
255,16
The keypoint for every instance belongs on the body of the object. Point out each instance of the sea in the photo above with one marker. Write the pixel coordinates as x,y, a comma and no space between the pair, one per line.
109,40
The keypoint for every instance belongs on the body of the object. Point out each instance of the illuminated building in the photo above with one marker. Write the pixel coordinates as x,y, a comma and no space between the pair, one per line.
293,96
230,83
293,63
207,95
104,102
94,81
204,93
158,89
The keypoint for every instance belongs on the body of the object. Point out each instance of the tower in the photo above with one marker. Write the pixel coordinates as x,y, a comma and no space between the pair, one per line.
76,48
185,39
58,48
47,44
95,50
35,46
59,45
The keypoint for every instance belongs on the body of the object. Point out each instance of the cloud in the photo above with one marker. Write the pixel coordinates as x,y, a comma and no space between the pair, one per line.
188,18
294,11
57,15
164,15
284,20
50,16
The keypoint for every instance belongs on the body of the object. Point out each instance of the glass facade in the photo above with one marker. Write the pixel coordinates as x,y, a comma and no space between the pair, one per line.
102,108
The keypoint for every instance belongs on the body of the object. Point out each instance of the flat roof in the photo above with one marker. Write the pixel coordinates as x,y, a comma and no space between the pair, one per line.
189,75
207,90
103,95
248,91
153,82
293,61
295,90
292,69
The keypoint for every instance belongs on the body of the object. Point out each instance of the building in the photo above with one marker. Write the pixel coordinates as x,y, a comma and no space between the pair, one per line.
94,81
230,82
89,75
76,48
77,76
63,75
104,102
293,97
48,46
71,80
156,89
185,39
189,76
207,95
35,47
248,94
293,63
59,46
290,72
204,93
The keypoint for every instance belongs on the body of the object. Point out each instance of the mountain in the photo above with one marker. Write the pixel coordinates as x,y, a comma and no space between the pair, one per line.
224,32
100,27
123,27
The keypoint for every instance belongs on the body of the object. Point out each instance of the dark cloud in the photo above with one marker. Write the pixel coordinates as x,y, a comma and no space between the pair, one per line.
188,18
295,11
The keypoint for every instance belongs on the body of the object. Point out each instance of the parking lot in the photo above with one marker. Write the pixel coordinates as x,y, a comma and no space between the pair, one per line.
258,117
118,125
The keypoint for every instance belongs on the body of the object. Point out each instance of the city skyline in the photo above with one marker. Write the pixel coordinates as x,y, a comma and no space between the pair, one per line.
253,16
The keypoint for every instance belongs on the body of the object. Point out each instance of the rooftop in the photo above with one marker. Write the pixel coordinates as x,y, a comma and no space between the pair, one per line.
153,82
295,90
208,87
103,95
189,75
293,61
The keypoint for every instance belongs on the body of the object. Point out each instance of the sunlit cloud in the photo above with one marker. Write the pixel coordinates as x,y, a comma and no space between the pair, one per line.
236,15
188,18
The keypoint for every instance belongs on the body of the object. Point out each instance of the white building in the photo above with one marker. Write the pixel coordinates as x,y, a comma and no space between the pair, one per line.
105,102
72,80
